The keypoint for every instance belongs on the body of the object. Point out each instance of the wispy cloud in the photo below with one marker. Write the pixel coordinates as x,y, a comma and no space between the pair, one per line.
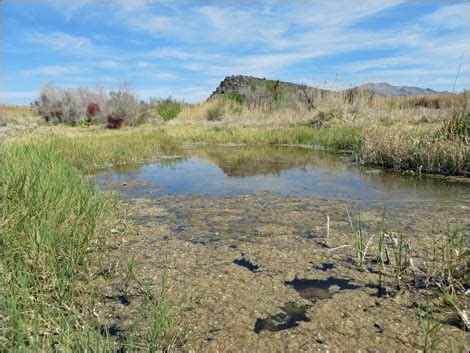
64,42
185,48
51,70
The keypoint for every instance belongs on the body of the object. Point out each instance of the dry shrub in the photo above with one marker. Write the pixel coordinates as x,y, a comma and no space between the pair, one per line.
122,108
61,105
73,106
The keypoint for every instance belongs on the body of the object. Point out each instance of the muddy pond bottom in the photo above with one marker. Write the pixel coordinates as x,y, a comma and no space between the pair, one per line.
281,171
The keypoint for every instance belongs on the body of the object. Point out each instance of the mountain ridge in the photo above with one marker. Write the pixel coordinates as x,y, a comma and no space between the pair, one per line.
282,94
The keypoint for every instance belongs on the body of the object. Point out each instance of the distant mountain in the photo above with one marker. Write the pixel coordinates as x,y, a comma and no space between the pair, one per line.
385,89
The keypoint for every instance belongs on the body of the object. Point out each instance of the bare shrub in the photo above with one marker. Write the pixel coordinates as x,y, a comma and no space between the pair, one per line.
58,105
82,105
61,105
122,108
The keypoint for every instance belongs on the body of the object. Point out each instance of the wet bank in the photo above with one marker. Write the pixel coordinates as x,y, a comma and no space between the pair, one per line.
242,237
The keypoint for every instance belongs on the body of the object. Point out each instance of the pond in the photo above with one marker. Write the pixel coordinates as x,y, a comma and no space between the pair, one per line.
280,171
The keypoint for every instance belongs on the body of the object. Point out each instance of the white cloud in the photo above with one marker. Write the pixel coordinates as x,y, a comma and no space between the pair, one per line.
66,42
52,70
450,16
163,41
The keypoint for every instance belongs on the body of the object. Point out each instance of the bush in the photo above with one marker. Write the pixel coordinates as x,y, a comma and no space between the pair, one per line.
216,112
235,96
168,109
60,105
69,106
122,108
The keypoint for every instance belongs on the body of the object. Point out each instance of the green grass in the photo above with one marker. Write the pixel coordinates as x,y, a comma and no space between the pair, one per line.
50,219
90,150
54,226
341,138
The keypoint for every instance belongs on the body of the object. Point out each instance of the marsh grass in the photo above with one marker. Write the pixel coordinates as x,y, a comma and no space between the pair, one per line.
341,138
442,263
54,225
430,326
50,219
88,150
445,263
360,246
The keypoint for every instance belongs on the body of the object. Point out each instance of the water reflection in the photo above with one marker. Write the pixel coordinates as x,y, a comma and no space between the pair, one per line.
287,171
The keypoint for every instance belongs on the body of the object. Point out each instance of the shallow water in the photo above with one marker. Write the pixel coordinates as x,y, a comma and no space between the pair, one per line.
319,289
290,316
283,171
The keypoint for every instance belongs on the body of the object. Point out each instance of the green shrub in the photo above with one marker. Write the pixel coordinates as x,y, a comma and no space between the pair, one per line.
168,108
235,96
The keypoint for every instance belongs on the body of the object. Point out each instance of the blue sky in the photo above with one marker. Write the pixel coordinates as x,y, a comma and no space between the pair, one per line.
185,48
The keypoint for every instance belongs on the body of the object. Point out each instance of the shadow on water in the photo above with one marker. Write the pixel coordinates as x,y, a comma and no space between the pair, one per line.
286,171
291,316
319,289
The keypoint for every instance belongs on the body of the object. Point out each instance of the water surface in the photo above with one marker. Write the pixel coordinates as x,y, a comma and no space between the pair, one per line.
284,171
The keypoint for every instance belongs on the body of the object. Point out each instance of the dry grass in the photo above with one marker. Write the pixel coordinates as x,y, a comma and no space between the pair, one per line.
12,114
332,109
403,147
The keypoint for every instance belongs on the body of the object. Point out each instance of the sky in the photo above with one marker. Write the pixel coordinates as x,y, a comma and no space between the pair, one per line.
185,48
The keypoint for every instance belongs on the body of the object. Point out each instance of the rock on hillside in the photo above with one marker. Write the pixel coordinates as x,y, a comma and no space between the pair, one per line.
253,90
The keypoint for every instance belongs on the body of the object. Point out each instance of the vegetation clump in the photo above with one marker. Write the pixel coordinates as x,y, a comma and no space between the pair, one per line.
55,225
168,108
69,106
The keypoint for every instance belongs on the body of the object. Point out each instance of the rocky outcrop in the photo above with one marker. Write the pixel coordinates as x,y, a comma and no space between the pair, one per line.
254,90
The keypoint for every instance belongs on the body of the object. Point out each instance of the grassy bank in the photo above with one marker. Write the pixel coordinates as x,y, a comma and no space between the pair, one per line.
50,220
339,138
442,149
54,227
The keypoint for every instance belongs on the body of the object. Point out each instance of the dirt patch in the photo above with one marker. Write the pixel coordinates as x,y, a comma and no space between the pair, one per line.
230,258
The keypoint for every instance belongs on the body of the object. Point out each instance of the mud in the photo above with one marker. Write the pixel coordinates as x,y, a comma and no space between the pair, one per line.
255,272
301,294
